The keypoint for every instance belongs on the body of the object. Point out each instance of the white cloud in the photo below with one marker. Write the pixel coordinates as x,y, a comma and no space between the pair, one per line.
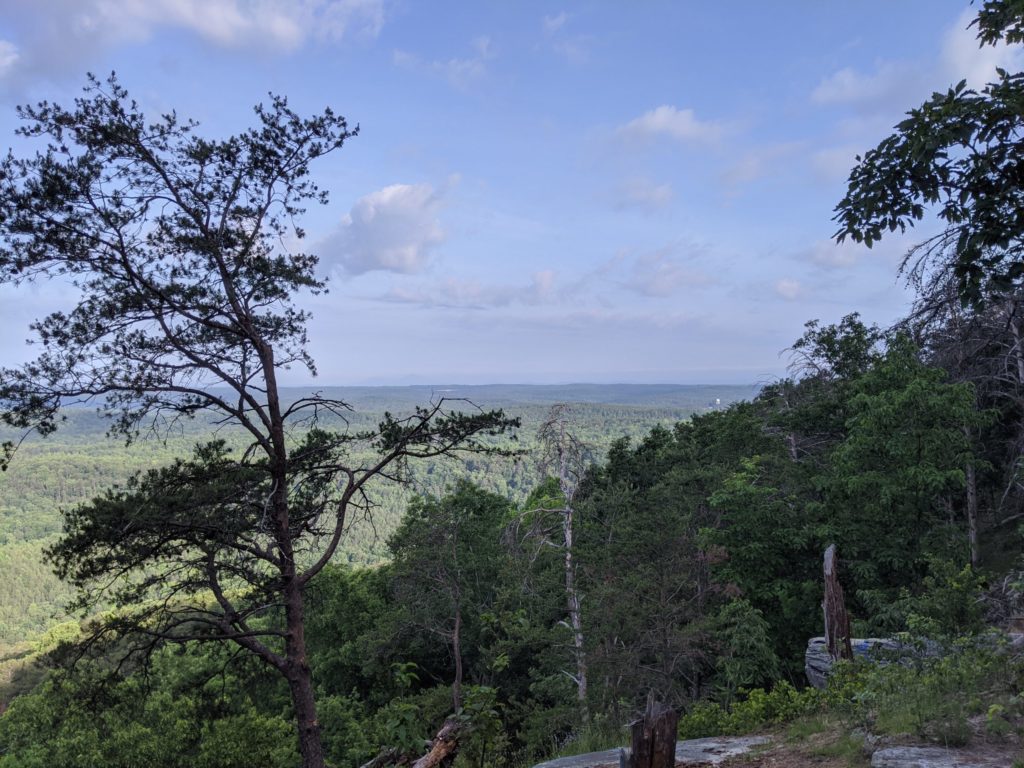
833,255
60,38
964,58
789,289
278,23
460,73
8,56
845,86
679,124
543,284
552,24
758,163
891,84
458,293
573,48
834,163
644,194
365,16
660,274
393,229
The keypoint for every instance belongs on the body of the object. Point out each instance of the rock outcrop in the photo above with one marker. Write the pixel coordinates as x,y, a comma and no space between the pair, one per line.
818,662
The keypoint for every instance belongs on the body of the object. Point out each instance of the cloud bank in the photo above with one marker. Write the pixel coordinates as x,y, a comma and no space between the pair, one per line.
394,229
64,36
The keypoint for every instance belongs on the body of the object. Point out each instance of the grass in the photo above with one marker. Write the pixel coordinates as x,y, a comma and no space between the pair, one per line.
593,738
848,747
806,727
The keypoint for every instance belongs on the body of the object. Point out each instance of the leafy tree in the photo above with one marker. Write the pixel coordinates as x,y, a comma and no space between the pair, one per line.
958,154
447,557
809,410
982,345
746,657
643,564
771,535
892,478
197,707
836,352
187,307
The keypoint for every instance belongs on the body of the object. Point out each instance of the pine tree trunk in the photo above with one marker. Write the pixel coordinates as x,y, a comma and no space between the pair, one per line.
300,680
300,683
296,668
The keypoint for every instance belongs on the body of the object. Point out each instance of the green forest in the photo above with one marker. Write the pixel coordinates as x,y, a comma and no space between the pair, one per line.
202,567
80,461
697,549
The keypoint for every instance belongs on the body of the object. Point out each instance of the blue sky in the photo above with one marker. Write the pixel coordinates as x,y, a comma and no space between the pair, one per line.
541,192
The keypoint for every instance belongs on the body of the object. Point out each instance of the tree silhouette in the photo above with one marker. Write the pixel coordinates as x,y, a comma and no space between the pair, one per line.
177,246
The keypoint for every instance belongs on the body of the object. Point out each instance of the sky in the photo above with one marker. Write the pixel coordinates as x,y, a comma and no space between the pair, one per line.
541,192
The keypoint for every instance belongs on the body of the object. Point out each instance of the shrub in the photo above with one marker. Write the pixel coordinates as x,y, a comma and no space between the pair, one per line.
932,698
758,709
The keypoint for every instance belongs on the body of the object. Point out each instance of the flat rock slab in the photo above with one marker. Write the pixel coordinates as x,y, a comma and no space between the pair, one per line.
717,749
710,751
930,757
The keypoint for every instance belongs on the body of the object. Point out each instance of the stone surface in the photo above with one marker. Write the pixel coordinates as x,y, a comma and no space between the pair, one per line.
930,757
692,752
715,750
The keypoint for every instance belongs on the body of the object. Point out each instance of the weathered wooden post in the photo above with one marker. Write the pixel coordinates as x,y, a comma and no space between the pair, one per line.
837,620
653,738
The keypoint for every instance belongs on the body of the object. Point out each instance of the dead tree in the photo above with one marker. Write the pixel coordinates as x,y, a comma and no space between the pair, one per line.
837,620
565,455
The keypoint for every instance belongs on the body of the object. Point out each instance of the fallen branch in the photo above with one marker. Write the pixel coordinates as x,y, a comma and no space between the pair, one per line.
442,750
444,746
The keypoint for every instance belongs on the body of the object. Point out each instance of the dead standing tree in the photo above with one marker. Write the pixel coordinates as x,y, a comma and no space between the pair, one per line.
837,620
563,456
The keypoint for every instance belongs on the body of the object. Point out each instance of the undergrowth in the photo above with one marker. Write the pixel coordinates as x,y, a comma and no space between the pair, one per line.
972,690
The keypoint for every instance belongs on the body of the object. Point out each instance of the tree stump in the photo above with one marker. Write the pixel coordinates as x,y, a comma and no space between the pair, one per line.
654,738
